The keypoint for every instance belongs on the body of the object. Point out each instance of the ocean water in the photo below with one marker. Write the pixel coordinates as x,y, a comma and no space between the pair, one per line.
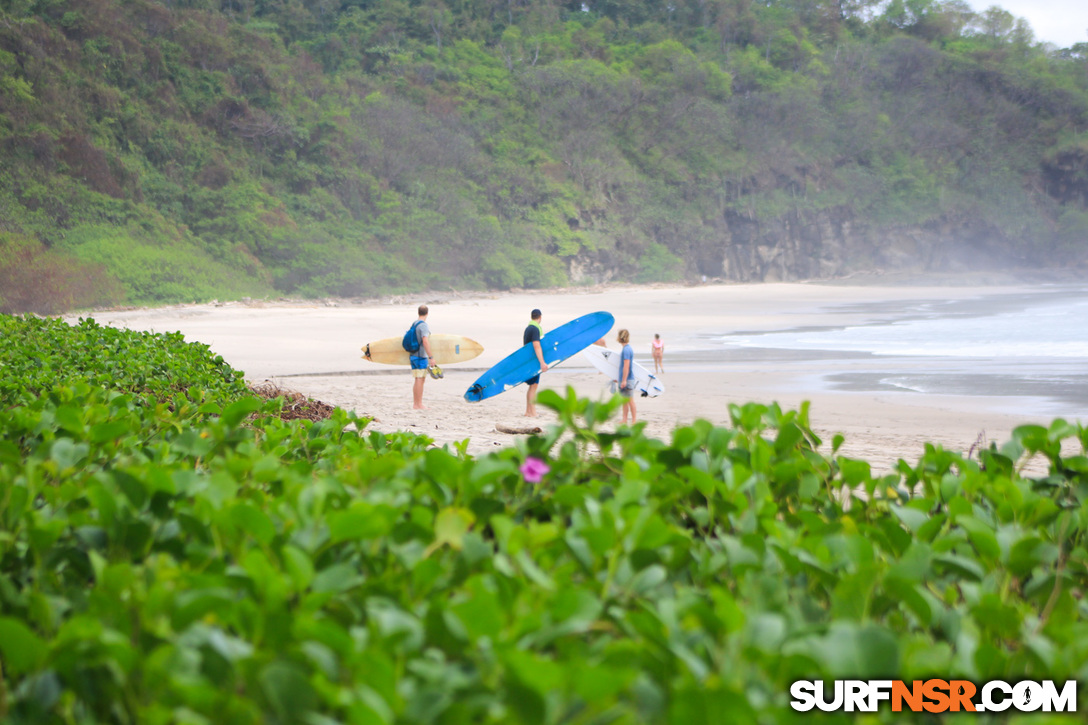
1042,329
1029,348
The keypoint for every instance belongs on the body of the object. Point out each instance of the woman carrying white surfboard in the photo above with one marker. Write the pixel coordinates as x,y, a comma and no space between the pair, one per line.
626,379
608,362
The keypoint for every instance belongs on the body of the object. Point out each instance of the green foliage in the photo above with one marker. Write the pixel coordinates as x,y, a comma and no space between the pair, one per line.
499,272
904,191
198,558
753,70
538,270
149,368
658,264
1073,226
36,279
511,267
157,269
276,138
313,263
11,85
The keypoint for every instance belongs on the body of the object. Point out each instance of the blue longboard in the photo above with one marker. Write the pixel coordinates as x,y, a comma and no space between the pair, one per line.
557,346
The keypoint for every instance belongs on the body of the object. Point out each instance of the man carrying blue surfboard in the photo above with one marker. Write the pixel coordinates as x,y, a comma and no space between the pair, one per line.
532,334
525,364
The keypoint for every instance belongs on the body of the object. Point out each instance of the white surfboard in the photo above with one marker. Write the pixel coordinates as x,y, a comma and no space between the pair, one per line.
608,362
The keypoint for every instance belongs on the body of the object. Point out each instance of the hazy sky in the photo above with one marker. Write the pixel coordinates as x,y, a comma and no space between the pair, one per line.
1062,22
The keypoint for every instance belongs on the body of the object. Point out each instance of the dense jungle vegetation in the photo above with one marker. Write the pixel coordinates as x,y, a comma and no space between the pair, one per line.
189,149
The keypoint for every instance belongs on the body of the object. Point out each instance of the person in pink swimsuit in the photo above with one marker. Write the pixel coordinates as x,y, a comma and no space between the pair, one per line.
657,349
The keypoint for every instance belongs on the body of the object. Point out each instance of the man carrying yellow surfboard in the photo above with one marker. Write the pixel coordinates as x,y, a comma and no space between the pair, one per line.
418,337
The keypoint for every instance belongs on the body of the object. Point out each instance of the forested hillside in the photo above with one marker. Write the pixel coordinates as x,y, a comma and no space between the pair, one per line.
166,151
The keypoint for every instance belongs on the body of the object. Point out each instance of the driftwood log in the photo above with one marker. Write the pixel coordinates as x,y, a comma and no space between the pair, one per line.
518,431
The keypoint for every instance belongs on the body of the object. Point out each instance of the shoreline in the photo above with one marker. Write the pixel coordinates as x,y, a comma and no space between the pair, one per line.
315,349
1029,278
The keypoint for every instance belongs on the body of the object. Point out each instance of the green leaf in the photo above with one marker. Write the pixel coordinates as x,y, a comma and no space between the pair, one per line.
68,454
912,518
1061,429
362,521
237,411
854,472
1032,437
600,683
788,437
982,537
1030,552
766,631
851,650
70,418
109,431
912,596
369,707
288,690
536,672
23,650
134,489
450,527
442,466
854,592
480,612
337,578
299,567
961,565
704,483
254,522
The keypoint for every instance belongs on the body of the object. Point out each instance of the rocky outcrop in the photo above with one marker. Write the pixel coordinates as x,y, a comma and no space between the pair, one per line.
830,243
823,244
1066,177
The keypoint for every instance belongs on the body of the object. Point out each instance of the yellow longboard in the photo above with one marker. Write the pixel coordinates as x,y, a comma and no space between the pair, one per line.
445,349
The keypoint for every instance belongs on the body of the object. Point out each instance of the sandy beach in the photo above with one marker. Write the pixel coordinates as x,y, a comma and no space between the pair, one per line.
314,348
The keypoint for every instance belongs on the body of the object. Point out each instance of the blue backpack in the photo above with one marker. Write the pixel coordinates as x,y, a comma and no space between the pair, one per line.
411,341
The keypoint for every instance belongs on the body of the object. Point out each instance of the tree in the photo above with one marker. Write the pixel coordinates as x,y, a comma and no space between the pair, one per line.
436,16
996,23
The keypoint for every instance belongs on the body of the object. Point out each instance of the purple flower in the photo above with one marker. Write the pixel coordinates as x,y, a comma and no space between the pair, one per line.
534,469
